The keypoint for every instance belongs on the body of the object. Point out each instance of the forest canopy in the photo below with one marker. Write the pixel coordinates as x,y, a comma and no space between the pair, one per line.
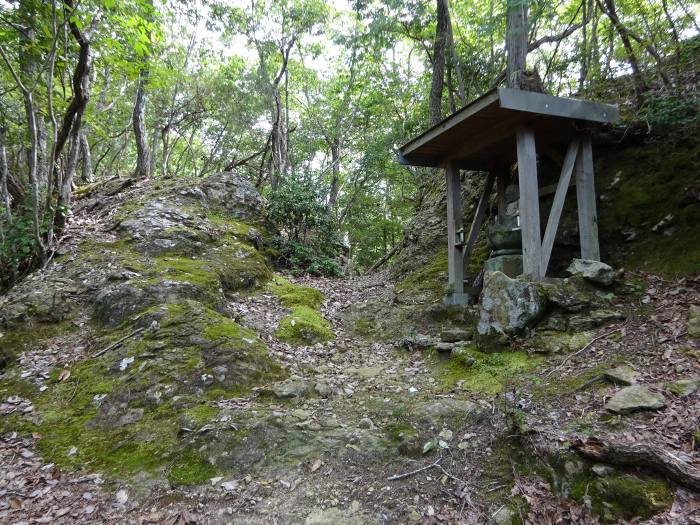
309,100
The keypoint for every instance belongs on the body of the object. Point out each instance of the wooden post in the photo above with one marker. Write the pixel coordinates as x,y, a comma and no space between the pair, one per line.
529,202
455,263
585,193
550,232
478,218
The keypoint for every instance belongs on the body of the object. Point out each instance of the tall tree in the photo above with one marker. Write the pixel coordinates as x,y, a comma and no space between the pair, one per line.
442,29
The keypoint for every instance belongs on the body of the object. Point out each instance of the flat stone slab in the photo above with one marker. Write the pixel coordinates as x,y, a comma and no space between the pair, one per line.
622,375
454,335
684,387
366,372
634,399
291,388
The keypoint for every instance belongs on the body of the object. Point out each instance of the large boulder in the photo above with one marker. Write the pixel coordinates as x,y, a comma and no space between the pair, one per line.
235,194
594,271
508,306
694,321
160,227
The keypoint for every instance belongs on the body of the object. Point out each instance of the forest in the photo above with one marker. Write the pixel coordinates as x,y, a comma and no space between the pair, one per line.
309,100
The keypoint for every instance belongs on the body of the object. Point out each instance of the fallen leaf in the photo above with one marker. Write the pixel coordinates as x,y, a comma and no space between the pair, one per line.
316,465
15,503
65,374
122,496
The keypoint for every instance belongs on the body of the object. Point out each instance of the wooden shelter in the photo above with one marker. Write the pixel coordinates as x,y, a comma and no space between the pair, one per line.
503,127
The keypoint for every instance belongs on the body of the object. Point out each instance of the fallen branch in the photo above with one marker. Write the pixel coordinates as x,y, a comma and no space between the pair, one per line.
118,343
385,258
414,472
641,455
577,352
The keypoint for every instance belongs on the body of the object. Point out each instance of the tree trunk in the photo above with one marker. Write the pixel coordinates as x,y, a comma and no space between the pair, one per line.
438,79
516,41
335,177
139,125
611,12
87,175
4,176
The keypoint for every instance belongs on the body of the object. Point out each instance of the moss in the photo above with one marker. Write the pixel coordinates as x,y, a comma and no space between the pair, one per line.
557,342
195,271
7,357
295,295
429,280
652,182
201,414
488,373
304,326
13,342
622,496
189,468
240,268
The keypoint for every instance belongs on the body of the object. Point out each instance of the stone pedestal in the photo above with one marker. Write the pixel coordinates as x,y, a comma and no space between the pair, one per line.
511,265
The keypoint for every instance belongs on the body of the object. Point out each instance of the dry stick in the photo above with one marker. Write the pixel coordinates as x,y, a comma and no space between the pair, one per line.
588,345
414,472
117,343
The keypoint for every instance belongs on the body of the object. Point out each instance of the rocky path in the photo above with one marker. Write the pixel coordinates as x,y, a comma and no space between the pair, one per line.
323,442
362,431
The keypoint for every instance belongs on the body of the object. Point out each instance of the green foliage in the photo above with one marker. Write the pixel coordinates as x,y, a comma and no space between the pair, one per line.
16,248
308,243
672,110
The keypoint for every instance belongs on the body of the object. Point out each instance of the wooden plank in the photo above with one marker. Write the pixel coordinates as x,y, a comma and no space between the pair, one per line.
455,266
585,194
490,136
528,101
467,111
550,232
478,218
529,202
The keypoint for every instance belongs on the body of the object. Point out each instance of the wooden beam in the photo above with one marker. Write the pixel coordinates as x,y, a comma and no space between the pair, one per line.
550,232
585,194
455,263
529,202
478,218
531,102
490,136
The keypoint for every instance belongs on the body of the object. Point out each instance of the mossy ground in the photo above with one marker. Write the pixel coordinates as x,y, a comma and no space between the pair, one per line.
429,280
295,295
304,326
490,373
121,413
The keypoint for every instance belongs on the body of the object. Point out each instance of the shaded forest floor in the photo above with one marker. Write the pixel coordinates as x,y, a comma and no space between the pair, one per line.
371,400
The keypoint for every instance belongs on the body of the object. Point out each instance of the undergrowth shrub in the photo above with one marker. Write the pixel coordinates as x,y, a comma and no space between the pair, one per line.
308,241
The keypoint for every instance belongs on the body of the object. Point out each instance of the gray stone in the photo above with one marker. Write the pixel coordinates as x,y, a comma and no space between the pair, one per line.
602,470
454,335
684,387
323,390
508,306
593,319
511,265
335,516
570,294
504,516
291,388
366,424
462,353
694,321
622,375
594,271
235,194
444,347
417,342
440,413
160,227
635,398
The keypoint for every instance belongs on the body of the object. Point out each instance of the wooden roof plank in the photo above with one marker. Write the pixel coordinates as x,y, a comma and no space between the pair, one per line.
530,102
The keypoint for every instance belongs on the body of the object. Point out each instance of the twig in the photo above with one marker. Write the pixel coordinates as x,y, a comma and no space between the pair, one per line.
577,352
118,343
414,472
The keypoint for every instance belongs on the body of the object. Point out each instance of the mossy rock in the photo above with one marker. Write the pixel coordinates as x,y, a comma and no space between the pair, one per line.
295,295
427,283
121,413
553,342
304,326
